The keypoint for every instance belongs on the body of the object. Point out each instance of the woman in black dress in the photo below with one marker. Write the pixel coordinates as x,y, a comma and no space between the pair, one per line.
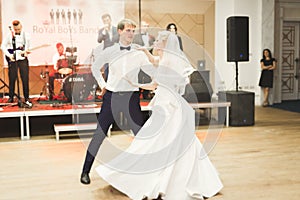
268,64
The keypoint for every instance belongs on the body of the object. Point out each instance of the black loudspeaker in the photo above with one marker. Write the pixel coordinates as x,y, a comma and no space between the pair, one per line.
199,89
237,39
241,111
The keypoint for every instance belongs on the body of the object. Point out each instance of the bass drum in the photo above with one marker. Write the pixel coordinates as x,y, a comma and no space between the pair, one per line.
79,87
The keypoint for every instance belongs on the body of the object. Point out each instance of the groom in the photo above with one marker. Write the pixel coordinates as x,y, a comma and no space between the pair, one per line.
119,94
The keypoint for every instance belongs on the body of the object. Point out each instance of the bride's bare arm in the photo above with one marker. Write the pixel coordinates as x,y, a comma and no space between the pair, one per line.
146,86
153,59
149,86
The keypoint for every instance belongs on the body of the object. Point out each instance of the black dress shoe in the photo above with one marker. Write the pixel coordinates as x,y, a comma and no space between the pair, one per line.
27,100
85,179
51,96
10,100
28,103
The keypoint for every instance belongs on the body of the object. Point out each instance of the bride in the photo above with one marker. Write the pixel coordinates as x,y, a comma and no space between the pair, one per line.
165,160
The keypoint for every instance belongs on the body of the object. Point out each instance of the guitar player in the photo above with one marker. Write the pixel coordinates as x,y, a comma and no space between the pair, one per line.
16,48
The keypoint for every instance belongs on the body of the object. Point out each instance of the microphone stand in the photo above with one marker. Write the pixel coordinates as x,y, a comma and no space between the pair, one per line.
4,84
45,88
72,49
71,62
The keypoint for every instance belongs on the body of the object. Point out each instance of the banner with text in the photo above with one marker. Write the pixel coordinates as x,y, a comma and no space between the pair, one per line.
75,23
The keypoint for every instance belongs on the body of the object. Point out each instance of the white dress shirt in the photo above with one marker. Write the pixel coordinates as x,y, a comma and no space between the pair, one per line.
124,67
110,33
55,59
145,38
22,40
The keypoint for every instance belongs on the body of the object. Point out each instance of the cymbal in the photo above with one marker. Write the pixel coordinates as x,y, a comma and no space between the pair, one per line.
83,66
43,65
68,58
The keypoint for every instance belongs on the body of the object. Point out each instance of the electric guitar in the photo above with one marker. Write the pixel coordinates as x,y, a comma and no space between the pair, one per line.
20,51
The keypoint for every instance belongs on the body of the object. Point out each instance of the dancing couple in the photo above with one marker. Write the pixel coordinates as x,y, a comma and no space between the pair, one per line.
165,159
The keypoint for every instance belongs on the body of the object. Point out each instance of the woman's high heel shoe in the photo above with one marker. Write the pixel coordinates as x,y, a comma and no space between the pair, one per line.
265,104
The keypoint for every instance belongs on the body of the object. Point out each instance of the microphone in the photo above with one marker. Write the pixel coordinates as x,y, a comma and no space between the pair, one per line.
12,33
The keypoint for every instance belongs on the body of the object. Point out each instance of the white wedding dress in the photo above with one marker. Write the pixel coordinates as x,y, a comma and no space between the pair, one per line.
165,158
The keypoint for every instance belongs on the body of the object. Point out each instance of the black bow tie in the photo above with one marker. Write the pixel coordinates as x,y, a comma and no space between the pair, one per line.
17,33
127,48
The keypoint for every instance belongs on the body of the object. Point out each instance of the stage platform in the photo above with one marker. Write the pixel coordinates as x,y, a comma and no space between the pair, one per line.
40,110
16,121
44,114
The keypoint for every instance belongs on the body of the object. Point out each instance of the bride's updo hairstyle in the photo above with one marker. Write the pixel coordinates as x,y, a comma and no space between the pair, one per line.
163,35
171,42
174,58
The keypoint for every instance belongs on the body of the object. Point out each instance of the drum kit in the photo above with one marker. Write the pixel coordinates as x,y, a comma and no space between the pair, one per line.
78,83
65,66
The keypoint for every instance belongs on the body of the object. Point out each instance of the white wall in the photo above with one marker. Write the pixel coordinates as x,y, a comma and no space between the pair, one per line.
249,72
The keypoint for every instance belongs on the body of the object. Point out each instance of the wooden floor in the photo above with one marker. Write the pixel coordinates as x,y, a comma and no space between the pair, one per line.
254,162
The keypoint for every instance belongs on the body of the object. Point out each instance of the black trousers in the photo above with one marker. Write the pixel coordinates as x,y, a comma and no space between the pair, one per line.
22,66
52,77
113,103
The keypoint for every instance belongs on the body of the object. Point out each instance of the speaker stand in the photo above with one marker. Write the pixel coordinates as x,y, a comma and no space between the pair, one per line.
236,76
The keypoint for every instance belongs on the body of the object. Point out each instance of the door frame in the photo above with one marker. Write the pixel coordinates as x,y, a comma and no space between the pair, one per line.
292,96
281,17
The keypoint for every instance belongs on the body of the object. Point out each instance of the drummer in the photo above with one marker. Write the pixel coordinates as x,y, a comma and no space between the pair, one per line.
59,66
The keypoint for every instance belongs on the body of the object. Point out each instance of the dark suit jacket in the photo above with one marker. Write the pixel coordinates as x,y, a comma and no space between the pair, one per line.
105,38
139,40
180,42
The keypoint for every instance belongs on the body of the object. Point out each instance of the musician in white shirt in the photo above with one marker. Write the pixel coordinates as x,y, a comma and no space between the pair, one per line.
119,94
59,63
16,49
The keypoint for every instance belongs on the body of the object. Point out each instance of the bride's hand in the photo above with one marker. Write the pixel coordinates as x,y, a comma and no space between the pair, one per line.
154,85
152,59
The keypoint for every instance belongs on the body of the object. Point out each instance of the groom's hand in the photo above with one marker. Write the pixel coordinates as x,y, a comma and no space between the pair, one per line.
103,91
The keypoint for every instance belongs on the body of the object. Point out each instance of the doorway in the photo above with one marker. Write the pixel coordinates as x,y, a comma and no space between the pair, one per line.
290,69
